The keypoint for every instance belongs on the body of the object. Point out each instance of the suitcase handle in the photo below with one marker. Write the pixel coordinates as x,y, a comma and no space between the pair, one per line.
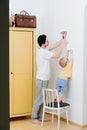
23,12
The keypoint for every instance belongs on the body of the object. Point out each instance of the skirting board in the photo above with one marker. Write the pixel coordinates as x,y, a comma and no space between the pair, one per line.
71,122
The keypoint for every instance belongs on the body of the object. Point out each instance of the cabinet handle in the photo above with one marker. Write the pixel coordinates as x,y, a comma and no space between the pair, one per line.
11,72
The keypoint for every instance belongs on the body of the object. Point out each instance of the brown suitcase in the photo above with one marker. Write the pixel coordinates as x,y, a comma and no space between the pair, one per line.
25,20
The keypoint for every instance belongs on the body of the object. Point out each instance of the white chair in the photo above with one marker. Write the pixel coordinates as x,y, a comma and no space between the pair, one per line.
49,106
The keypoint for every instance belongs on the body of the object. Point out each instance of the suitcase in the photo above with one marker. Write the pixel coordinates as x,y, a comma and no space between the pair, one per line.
24,19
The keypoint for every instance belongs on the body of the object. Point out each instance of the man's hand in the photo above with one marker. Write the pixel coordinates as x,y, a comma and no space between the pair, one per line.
64,33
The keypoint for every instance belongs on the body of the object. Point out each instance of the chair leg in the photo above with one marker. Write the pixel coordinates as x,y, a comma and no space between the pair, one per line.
67,116
43,117
59,121
52,117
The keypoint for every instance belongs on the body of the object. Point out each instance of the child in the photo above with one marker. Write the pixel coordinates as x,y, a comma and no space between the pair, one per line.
65,74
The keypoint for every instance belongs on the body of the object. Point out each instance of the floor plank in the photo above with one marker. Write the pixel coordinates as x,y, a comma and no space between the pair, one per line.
25,123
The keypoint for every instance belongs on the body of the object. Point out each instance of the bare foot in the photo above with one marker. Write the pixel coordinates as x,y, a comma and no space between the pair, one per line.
45,120
36,121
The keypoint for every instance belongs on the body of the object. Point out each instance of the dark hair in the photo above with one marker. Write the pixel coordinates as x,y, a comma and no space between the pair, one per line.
41,39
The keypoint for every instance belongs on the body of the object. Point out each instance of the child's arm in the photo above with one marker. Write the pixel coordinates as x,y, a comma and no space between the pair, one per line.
70,56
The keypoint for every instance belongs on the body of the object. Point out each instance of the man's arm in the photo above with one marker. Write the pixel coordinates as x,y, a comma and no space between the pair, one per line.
58,43
60,49
55,45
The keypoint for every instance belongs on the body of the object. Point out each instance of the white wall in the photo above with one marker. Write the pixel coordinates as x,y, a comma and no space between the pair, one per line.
85,69
53,17
69,15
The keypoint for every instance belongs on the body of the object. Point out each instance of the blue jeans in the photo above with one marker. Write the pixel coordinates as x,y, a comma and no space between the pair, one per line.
61,85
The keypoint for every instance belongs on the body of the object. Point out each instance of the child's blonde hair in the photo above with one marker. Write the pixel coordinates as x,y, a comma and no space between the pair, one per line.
62,62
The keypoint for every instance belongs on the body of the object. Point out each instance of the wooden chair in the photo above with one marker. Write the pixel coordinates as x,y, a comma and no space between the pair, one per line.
54,108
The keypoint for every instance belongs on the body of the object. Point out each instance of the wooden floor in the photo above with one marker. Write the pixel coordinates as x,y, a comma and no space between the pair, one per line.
25,123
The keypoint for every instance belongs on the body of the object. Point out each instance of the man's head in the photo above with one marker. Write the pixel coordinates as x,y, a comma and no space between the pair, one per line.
63,61
42,40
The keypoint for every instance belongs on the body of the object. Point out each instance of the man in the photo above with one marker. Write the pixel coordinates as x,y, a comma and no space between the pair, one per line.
43,57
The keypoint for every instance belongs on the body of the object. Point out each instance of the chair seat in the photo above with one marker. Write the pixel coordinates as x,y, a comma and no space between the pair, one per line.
55,104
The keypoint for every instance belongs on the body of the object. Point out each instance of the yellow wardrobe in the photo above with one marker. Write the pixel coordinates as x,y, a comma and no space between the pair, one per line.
21,70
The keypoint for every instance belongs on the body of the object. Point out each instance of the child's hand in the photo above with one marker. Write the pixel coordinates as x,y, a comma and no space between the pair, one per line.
71,51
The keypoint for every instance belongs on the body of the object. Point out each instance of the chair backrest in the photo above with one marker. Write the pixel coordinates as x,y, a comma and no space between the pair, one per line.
49,96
